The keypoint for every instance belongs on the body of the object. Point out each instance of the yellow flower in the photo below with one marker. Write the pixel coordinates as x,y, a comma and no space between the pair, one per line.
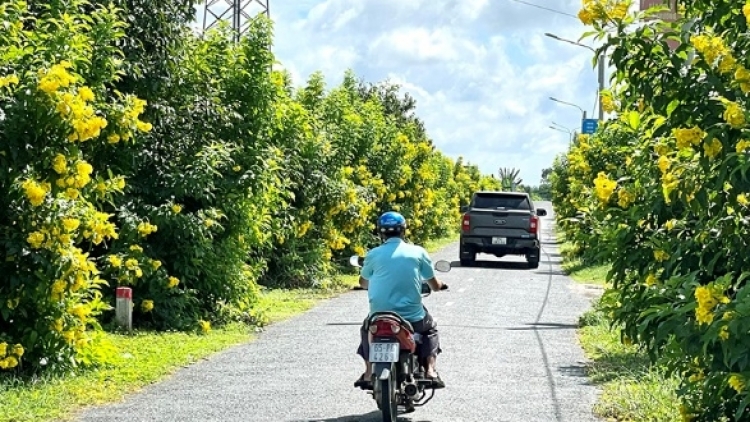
155,264
660,255
620,10
176,208
70,224
727,64
143,126
651,280
131,264
113,138
59,164
737,382
742,146
58,325
85,93
724,333
36,239
664,164
146,229
742,199
3,349
8,80
712,148
205,326
80,311
147,305
746,11
236,168
35,192
586,17
136,248
72,193
58,287
625,198
734,115
83,168
173,282
688,136
9,362
670,224
604,187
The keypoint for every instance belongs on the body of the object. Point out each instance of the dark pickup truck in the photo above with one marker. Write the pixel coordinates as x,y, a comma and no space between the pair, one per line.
500,223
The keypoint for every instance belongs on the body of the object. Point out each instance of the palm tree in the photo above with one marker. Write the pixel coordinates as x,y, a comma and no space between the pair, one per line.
509,178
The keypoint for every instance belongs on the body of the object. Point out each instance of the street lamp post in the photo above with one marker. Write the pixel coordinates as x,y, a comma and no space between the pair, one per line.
600,65
565,130
583,112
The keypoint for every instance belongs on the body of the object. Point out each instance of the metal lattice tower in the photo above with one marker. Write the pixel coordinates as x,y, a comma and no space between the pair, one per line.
239,12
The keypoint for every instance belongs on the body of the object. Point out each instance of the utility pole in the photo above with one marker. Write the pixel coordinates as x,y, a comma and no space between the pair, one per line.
239,12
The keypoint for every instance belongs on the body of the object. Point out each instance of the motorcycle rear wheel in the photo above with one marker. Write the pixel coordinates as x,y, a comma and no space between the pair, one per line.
388,402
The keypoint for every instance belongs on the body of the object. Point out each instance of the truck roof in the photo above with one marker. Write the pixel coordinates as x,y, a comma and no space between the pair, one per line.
501,193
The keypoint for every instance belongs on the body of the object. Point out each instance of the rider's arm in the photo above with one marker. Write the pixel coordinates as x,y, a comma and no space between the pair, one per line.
428,273
363,282
366,272
435,285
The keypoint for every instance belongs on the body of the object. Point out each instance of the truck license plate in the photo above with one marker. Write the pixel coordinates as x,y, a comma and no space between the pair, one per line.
499,240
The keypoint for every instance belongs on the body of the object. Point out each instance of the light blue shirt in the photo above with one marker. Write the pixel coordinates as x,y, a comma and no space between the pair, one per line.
395,271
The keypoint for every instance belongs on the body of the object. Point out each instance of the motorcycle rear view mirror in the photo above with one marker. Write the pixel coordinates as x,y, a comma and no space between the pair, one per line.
356,261
443,266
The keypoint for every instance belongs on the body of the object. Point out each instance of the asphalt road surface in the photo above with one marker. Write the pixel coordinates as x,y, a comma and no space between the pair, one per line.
509,354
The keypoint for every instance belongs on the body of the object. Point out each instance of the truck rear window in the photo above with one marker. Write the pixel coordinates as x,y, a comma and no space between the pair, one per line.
507,202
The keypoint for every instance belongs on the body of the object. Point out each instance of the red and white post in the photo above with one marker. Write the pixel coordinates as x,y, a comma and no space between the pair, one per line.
124,307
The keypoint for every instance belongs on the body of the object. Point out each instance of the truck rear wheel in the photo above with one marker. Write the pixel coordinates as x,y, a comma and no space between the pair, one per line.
533,258
467,256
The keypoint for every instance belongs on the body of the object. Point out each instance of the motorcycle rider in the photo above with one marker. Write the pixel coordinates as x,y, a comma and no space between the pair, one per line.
392,274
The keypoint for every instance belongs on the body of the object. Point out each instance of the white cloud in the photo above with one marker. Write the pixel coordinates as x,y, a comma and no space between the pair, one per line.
481,71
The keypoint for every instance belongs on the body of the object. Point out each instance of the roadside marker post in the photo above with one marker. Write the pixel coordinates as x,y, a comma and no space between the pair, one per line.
124,307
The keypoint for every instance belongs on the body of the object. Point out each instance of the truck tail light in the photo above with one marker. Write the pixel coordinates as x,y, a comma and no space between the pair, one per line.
466,222
534,224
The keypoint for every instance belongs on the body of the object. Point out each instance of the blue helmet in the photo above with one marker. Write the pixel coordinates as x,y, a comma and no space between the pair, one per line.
391,223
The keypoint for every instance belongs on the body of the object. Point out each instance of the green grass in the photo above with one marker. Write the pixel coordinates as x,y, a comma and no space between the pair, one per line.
632,388
581,271
147,357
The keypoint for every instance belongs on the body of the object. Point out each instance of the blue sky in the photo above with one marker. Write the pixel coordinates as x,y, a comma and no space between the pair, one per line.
482,71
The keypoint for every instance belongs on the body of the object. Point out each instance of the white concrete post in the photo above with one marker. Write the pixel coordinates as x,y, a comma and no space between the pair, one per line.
124,307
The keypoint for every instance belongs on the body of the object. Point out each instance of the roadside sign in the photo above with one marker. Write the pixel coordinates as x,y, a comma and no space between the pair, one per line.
588,126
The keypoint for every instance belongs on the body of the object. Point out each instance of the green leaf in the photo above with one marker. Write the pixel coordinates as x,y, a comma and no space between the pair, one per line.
672,106
634,119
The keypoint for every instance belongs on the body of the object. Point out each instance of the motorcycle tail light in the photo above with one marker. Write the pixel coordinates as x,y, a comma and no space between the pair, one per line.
395,328
373,328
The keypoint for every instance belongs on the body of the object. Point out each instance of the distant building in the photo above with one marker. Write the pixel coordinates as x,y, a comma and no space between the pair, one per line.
667,15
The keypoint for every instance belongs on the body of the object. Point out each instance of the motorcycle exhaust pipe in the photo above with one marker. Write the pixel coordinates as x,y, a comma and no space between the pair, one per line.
411,390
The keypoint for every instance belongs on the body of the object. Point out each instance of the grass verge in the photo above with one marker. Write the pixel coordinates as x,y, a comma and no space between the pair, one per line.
580,271
632,388
147,357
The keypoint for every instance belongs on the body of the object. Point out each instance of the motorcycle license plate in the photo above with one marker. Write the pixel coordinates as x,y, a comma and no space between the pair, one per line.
384,352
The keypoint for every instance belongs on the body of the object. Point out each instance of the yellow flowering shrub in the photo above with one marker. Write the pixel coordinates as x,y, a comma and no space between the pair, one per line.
672,219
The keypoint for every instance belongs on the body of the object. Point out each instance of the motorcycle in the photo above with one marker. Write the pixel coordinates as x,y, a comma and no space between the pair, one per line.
398,373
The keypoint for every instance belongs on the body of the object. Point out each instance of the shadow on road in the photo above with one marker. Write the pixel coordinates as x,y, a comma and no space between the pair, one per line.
552,272
527,327
545,326
574,370
498,265
369,417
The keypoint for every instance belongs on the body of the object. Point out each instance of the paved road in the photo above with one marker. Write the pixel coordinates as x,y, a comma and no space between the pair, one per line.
510,354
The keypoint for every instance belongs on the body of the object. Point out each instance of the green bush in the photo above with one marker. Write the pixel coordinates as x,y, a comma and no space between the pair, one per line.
661,193
184,167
